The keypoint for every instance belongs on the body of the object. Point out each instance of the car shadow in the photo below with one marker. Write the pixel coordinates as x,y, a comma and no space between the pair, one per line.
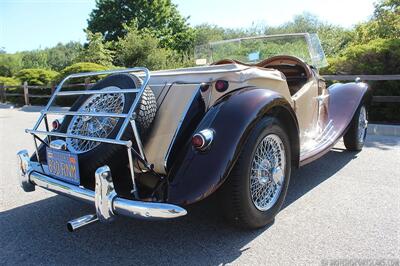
311,175
36,233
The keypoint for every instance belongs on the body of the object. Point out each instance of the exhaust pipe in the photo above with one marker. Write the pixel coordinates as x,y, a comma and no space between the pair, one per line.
77,223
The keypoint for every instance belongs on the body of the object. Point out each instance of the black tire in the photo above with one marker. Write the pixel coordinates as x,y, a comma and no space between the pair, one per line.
115,156
235,196
351,139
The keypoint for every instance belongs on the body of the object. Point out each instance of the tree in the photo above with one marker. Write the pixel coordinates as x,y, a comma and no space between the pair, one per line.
96,51
385,23
34,59
63,55
10,64
333,38
206,33
160,16
141,48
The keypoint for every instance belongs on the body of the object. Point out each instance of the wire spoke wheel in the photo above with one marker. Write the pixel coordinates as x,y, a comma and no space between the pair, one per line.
91,126
267,172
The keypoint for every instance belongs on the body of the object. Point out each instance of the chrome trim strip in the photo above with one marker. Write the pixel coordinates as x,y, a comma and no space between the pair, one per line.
179,126
325,137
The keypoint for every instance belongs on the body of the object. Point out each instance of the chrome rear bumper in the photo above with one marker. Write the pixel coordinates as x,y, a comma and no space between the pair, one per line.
105,199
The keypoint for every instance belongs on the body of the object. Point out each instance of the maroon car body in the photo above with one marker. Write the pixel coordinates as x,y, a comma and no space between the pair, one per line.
146,144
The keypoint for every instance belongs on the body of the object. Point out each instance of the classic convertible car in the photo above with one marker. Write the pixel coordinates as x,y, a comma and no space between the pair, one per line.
146,144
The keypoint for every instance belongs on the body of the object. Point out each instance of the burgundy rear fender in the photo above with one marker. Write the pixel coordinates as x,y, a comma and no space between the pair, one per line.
195,175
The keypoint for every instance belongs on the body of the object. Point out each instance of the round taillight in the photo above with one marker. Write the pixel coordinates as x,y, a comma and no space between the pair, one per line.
55,124
198,141
221,85
202,140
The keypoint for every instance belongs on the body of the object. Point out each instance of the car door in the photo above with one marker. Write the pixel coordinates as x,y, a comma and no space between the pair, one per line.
307,110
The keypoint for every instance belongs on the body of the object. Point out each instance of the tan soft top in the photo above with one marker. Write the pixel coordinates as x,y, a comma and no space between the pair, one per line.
230,72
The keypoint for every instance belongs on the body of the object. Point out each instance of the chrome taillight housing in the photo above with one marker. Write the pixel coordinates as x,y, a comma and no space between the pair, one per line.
203,139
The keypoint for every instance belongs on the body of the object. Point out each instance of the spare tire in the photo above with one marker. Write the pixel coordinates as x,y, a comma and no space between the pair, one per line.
93,155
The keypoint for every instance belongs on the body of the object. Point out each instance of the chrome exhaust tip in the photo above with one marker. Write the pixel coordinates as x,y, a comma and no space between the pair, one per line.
77,223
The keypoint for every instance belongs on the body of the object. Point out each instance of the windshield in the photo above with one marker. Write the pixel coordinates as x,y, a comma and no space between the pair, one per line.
255,49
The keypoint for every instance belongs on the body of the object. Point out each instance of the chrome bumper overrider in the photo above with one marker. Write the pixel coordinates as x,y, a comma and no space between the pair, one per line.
105,199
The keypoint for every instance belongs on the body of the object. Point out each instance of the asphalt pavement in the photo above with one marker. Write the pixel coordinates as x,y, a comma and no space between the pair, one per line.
343,208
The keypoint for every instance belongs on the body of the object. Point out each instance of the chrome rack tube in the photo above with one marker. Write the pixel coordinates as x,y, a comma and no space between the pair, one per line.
127,143
80,113
91,92
138,141
132,172
88,74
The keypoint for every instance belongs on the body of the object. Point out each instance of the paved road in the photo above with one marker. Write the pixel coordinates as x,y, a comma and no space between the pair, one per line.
344,206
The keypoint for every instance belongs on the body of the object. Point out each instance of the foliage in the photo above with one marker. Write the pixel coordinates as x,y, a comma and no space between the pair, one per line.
10,64
9,81
160,16
384,24
96,51
206,33
153,34
55,58
379,56
36,76
34,59
63,55
333,38
142,48
80,68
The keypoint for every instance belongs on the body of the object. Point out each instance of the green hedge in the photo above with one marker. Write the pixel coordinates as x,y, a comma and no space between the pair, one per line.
9,81
377,57
81,68
36,76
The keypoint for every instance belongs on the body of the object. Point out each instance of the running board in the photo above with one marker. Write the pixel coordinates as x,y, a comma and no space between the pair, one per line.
320,143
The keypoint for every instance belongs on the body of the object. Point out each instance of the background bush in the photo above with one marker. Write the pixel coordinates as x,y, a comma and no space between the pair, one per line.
80,68
36,76
156,36
379,56
9,81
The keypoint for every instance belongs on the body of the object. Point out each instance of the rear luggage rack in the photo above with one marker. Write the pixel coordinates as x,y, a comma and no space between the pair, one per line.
128,118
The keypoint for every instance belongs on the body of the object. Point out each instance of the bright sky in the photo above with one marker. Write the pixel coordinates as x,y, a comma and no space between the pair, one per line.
32,24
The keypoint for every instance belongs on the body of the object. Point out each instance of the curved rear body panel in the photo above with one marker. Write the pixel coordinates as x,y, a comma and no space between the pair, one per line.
195,174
